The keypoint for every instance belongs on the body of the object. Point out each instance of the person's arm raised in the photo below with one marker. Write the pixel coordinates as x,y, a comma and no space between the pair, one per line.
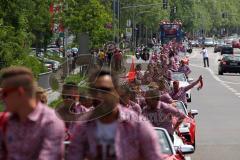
190,86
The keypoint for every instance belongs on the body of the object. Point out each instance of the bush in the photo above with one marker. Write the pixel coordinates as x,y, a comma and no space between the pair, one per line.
32,63
54,56
56,103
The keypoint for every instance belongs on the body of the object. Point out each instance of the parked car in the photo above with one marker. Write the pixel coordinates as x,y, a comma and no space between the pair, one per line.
218,45
229,64
170,150
55,64
195,43
183,82
209,42
188,128
226,49
49,66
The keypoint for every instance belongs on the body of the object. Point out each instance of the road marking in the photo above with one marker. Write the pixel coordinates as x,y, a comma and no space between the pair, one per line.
219,80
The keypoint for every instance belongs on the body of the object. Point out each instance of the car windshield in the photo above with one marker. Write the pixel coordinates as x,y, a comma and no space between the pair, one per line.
231,58
164,142
179,77
181,107
208,40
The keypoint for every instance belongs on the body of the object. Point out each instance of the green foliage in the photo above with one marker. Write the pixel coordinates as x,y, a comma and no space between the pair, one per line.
91,18
53,56
76,78
56,103
22,23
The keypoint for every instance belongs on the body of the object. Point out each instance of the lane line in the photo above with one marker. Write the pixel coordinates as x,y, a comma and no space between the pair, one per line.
218,79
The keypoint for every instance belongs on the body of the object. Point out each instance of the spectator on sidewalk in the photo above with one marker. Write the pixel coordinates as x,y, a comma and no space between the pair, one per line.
32,130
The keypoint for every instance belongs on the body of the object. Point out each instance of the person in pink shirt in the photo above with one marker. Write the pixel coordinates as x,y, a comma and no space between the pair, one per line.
179,93
184,69
69,110
112,131
32,130
125,94
160,113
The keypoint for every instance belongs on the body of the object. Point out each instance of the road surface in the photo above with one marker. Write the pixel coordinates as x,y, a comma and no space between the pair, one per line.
218,102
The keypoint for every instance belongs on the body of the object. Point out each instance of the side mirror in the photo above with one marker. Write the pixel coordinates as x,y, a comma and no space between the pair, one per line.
190,80
186,149
193,112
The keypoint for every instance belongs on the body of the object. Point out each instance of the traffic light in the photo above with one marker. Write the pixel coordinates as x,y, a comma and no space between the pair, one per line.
165,4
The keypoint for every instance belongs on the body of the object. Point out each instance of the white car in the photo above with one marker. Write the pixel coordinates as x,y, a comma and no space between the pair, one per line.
183,82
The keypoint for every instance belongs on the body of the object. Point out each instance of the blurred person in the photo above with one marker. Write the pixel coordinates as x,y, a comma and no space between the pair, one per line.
70,109
160,113
113,132
125,94
101,57
29,122
179,93
184,69
139,74
204,53
42,95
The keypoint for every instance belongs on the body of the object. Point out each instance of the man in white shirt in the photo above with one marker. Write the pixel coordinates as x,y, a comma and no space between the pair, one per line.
204,52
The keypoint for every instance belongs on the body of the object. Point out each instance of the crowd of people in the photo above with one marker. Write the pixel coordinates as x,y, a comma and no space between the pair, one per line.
110,119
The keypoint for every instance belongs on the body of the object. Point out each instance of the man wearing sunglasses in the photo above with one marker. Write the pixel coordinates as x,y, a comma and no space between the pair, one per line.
112,131
32,131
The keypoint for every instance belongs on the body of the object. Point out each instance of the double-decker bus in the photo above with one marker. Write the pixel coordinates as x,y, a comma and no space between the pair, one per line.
170,31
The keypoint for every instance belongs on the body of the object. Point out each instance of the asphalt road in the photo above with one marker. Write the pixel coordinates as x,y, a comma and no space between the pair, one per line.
218,129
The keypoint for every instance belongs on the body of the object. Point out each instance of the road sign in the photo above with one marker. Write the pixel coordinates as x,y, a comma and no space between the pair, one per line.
128,32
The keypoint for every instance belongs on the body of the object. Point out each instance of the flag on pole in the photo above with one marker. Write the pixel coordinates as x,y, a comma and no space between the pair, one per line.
132,73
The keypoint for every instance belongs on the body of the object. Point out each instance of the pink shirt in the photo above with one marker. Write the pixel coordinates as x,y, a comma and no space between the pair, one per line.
162,116
40,137
134,107
135,139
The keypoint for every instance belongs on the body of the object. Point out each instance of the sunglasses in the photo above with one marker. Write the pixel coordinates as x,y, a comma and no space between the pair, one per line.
7,91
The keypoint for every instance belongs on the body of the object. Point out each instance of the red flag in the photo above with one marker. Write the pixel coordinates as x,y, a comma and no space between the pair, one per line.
51,9
131,74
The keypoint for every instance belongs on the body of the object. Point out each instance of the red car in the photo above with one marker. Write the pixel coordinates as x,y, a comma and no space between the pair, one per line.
169,151
236,43
188,128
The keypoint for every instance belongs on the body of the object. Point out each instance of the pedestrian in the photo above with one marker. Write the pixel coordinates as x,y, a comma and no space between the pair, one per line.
113,132
70,109
161,114
179,93
32,130
204,53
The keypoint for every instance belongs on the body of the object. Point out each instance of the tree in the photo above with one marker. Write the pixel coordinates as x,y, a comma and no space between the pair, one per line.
92,18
